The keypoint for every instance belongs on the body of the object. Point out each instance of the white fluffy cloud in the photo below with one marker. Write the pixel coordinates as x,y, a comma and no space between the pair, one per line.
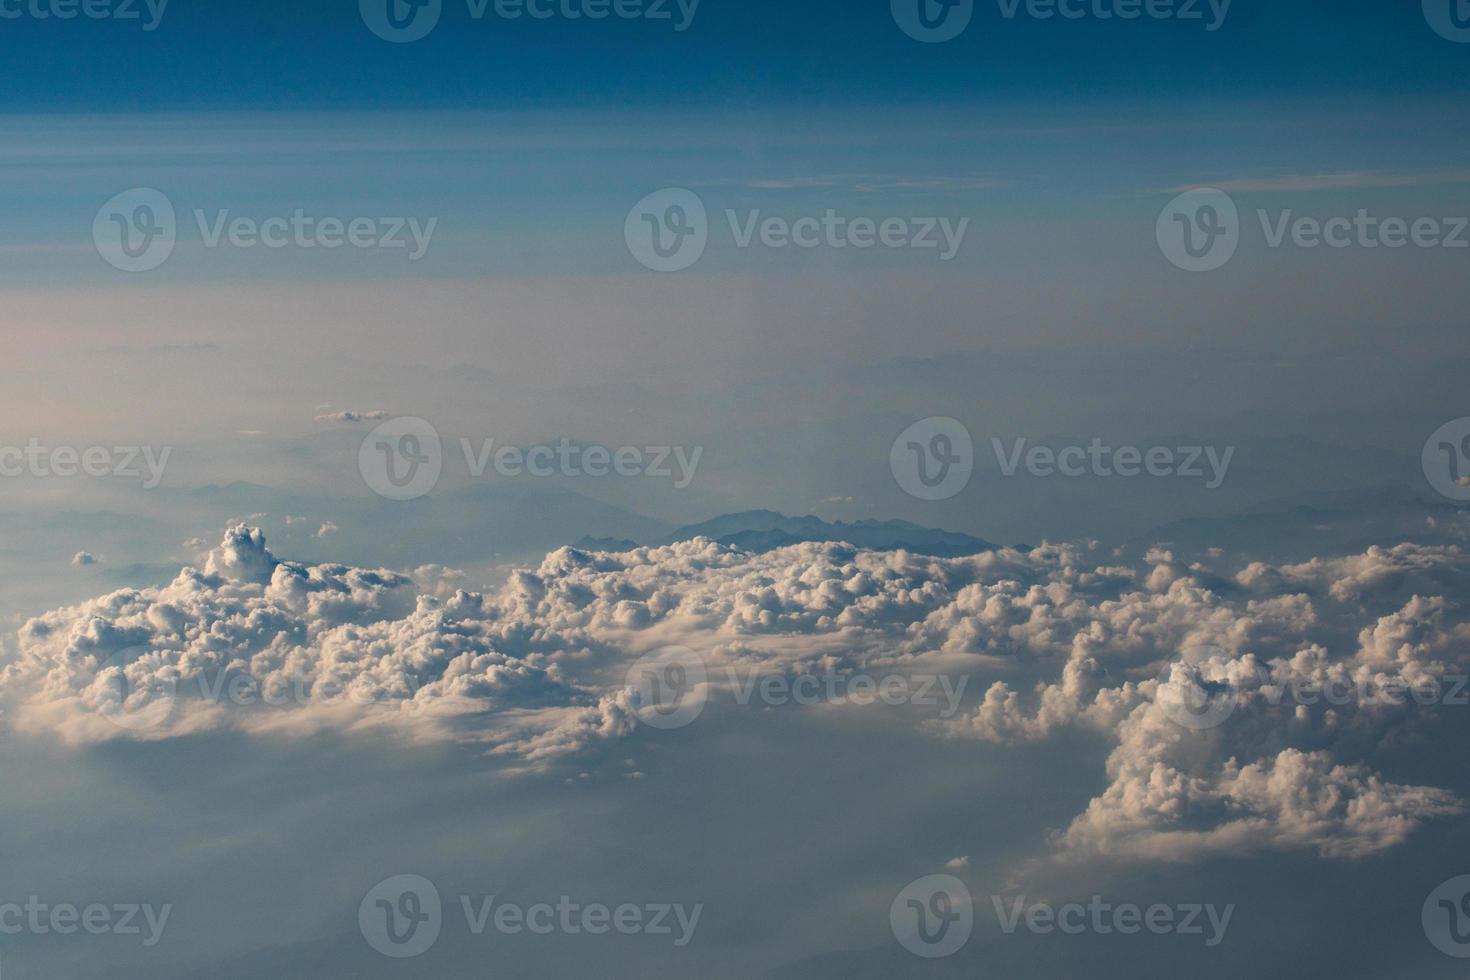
1307,661
535,670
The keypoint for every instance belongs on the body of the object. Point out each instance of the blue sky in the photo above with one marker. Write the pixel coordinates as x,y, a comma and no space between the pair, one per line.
747,55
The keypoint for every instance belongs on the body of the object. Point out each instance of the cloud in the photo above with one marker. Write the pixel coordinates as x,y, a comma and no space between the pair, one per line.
1071,641
352,415
1268,776
310,645
327,528
83,558
1336,181
865,183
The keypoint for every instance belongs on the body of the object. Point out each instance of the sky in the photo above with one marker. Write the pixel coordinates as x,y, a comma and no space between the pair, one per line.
368,394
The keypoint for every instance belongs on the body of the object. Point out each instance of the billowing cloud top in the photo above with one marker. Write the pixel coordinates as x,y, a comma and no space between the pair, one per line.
1195,676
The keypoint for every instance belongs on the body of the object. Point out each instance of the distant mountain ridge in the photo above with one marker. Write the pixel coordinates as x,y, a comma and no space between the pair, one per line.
1316,525
766,530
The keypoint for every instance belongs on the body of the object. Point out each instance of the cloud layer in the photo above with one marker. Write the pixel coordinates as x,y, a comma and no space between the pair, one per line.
1066,638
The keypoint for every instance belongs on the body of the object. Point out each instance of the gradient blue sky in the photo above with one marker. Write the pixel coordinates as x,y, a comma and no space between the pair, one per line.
754,54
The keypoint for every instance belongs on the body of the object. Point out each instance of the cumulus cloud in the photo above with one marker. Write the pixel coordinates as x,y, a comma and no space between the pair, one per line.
1069,639
251,640
83,558
1306,663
